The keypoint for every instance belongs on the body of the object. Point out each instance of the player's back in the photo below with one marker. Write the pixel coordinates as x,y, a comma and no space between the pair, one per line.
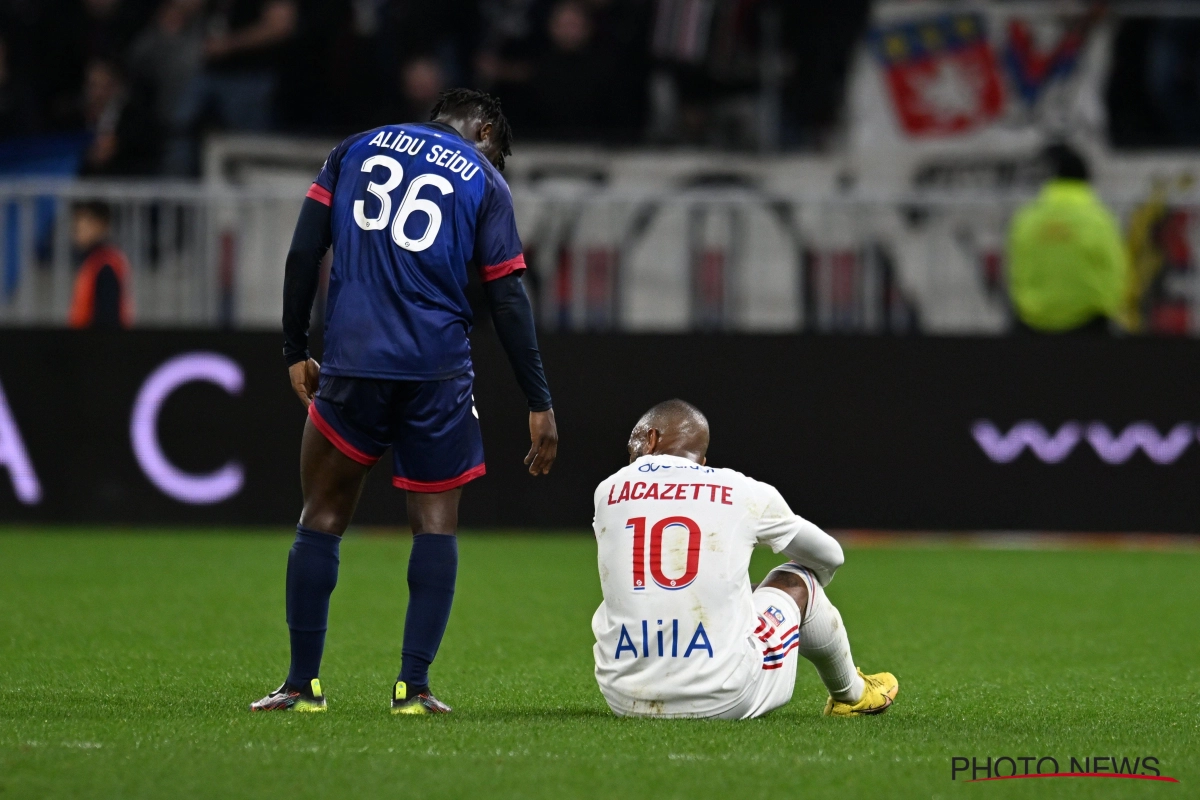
674,635
412,206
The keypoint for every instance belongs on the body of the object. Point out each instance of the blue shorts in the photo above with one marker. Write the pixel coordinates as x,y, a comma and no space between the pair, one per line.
431,426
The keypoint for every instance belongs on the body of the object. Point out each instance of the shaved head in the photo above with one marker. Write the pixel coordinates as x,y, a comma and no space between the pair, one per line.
672,428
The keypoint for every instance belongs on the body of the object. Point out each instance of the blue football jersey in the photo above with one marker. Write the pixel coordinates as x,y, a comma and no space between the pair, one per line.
412,207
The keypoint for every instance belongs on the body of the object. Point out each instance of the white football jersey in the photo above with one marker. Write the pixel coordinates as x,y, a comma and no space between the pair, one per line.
674,635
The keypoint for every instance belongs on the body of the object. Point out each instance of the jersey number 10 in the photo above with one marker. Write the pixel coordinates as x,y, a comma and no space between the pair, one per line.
638,524
410,204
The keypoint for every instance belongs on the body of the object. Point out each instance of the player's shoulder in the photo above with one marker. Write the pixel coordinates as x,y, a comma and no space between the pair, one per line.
755,494
493,178
669,469
357,138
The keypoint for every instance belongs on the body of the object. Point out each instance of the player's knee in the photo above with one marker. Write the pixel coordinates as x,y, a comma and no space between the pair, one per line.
324,520
433,512
790,584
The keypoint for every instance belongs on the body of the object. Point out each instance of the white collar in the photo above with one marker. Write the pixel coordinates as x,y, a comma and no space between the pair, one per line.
675,459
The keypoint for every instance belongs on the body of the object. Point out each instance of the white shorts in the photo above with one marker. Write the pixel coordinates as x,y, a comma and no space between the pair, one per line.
777,635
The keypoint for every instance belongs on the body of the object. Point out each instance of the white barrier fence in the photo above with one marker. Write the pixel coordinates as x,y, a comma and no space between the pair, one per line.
603,259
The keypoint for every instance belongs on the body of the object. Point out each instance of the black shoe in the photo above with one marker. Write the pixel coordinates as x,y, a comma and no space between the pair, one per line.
420,703
291,698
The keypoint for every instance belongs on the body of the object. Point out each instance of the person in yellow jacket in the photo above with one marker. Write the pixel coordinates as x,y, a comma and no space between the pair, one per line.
1067,265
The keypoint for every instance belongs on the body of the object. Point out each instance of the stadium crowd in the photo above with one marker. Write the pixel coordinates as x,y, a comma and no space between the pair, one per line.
147,78
144,80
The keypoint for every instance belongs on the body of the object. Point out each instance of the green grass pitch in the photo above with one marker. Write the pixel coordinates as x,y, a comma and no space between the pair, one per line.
127,662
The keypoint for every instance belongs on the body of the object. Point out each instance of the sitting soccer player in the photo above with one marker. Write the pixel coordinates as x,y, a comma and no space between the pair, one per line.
680,632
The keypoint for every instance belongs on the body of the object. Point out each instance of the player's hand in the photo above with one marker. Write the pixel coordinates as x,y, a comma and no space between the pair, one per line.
305,375
543,433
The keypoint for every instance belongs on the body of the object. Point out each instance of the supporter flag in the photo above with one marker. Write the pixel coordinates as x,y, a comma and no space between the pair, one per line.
1032,69
941,72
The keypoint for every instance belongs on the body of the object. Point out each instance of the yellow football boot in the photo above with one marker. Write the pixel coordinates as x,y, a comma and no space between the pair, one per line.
879,691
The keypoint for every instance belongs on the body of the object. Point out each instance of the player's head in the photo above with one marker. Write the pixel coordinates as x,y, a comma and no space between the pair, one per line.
1065,162
671,428
477,116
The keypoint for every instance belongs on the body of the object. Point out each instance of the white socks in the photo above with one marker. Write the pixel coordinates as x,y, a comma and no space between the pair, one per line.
823,641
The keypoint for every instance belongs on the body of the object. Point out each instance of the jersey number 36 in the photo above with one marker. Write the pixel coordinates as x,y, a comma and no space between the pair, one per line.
410,203
683,525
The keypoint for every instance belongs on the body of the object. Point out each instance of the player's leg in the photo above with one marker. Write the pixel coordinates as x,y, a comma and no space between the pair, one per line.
335,457
824,642
432,575
776,631
438,449
331,483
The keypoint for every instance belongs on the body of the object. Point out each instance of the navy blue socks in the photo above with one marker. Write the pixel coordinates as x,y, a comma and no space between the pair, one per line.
432,569
312,573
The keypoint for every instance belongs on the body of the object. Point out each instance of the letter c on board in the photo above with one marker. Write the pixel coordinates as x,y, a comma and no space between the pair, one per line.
185,487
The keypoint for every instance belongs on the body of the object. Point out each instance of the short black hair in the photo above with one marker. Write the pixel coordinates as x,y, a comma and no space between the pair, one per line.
1064,161
94,208
481,105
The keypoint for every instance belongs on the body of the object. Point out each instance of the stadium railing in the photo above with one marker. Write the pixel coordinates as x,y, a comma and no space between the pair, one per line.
600,258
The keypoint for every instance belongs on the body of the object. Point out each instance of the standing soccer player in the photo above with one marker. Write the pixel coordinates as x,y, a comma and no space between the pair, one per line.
407,209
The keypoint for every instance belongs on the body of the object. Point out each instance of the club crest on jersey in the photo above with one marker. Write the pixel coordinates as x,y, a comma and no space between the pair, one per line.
775,614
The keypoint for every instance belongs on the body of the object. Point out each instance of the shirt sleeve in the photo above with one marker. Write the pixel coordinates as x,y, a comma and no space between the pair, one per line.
326,182
497,244
784,531
773,522
512,316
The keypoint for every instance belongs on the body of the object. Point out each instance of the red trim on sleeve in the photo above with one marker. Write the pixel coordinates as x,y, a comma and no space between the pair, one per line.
320,194
348,450
439,486
495,271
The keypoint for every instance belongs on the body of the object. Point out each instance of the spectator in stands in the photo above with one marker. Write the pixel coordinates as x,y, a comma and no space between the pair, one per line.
108,25
101,297
74,34
707,84
166,58
421,81
512,38
818,41
126,140
1173,78
622,29
446,29
18,106
1067,266
571,87
242,56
